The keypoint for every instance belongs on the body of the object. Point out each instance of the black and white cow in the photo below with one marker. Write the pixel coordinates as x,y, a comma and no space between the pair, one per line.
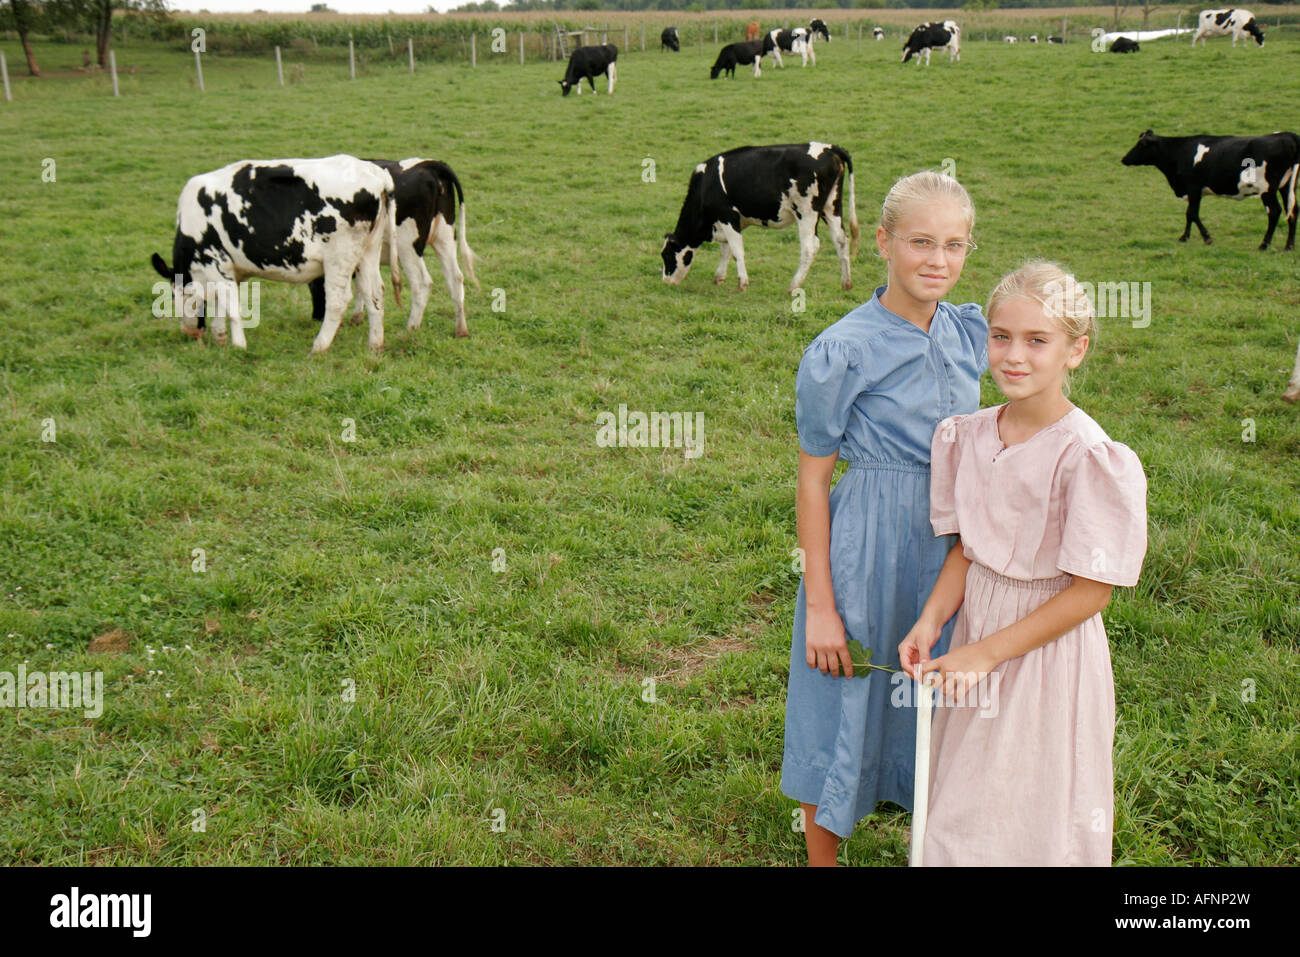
1055,40
428,193
791,41
669,40
587,63
877,33
1233,166
1033,38
944,36
1009,39
1219,23
767,186
738,54
289,220
1125,45
817,28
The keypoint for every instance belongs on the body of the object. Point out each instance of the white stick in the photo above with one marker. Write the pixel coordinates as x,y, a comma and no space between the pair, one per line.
4,71
279,66
112,69
198,68
921,777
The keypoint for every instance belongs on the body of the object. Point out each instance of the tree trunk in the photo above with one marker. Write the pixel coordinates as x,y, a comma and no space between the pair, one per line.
20,21
103,24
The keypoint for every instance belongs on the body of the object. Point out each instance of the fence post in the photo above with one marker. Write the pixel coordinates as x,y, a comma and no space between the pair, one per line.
521,47
410,52
279,66
352,61
643,36
700,35
626,47
112,68
1064,26
715,31
473,49
4,71
198,65
390,42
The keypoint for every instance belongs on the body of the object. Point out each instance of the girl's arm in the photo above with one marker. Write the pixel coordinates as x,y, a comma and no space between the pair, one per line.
945,598
824,631
1061,613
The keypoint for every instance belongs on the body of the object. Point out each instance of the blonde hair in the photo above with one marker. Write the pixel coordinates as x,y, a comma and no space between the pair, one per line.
1063,298
920,188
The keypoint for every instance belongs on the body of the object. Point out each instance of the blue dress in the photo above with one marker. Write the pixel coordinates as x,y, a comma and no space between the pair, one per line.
873,387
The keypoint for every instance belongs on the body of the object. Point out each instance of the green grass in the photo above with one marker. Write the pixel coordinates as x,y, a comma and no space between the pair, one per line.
368,565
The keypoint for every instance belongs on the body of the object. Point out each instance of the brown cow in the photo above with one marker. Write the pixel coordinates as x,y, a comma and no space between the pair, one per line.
752,30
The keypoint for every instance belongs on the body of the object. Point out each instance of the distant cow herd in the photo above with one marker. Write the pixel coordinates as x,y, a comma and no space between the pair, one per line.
332,222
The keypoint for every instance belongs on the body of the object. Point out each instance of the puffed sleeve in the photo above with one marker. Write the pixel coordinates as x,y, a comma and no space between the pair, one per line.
975,327
831,377
945,453
1104,532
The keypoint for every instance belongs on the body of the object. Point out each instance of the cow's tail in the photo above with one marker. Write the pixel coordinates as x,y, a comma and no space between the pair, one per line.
854,231
462,240
390,228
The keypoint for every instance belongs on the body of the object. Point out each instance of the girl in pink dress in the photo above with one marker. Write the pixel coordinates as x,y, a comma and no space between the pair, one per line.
1052,515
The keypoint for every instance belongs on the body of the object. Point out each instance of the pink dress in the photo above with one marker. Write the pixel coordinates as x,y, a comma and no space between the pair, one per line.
1020,770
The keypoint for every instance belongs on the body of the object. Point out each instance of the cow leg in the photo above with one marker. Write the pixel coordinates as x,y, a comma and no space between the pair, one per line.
1292,392
370,287
758,65
236,320
808,246
338,294
1194,216
613,75
835,226
1274,211
720,274
776,55
731,236
358,307
444,245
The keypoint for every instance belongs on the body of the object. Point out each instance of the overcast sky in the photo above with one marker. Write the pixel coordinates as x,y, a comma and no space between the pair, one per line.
302,6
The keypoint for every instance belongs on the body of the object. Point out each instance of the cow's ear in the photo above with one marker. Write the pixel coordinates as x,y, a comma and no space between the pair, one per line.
1147,133
161,266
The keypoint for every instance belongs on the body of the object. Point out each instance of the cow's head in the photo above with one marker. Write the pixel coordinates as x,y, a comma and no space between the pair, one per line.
1145,153
187,298
677,258
566,86
1253,29
818,29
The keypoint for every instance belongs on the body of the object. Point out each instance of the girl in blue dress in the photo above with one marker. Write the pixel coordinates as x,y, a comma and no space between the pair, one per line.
871,389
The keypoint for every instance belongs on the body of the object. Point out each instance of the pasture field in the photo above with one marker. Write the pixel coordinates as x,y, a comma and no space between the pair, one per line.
426,593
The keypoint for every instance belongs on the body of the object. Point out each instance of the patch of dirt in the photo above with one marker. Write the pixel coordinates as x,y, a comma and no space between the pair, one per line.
115,642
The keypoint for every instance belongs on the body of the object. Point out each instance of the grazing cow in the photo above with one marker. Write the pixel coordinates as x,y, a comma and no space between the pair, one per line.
1219,23
768,186
1124,45
791,41
817,28
1008,39
752,30
1033,38
669,40
877,33
1292,392
290,220
946,35
738,54
428,193
1055,40
1233,166
587,63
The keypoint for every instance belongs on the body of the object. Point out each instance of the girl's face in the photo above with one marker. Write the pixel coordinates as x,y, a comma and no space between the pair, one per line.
925,275
1029,352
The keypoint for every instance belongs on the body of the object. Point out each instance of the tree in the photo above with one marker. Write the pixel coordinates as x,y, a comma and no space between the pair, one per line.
22,22
97,16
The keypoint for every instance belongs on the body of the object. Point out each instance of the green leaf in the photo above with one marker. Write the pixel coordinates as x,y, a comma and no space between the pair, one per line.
861,658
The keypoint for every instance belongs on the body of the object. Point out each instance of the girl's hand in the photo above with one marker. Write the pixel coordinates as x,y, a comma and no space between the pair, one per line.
914,650
824,642
962,669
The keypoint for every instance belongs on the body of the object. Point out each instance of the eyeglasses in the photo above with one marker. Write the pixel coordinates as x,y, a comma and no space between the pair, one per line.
924,245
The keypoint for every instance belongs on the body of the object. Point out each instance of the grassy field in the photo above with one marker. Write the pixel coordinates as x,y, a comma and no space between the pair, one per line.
460,610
